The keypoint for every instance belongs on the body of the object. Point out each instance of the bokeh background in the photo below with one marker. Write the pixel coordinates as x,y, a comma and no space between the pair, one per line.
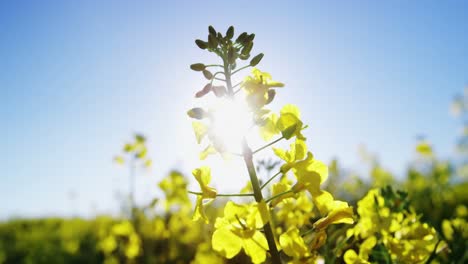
79,78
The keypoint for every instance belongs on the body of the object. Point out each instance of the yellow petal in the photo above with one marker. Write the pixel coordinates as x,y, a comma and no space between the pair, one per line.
292,243
256,247
200,130
226,243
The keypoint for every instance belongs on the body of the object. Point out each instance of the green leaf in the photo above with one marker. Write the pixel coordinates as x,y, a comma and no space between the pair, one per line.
198,66
230,32
380,254
256,60
208,75
201,44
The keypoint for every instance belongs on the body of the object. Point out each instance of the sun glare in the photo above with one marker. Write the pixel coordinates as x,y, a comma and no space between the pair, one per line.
231,122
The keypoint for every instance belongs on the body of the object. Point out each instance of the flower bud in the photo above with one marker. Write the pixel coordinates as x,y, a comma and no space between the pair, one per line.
198,66
230,32
256,60
208,75
197,113
201,44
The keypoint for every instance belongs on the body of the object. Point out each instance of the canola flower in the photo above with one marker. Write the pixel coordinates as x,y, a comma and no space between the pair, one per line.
250,227
385,219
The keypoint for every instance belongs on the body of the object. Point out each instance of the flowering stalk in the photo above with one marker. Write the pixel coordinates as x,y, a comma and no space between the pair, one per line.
247,152
247,155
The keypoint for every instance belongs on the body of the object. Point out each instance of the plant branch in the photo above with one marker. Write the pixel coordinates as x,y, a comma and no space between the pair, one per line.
267,225
267,145
269,180
278,195
225,194
214,65
240,69
237,84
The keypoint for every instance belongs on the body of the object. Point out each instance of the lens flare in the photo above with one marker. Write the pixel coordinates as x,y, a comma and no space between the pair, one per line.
231,122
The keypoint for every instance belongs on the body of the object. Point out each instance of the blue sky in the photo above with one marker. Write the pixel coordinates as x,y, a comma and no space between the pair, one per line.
77,78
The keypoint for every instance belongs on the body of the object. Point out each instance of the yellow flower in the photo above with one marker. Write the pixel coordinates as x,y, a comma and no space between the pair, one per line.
174,187
203,177
257,88
296,153
350,256
294,246
239,229
289,122
402,233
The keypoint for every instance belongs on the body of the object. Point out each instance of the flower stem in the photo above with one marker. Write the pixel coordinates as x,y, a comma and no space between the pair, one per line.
278,195
269,180
267,145
225,194
267,228
240,69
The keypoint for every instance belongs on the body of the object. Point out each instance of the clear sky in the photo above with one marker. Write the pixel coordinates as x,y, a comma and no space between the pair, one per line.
77,78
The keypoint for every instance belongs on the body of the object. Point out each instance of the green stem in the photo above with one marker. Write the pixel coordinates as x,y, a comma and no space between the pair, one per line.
267,145
214,65
278,195
248,159
227,74
225,194
237,84
259,199
269,180
307,232
240,69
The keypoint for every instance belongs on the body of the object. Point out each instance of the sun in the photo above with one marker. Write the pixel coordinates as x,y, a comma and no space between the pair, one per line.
231,122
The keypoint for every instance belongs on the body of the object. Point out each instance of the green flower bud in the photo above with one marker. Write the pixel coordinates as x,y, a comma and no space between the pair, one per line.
212,30
256,60
198,67
271,96
246,50
201,44
230,32
250,38
232,55
240,39
197,113
208,75
212,42
203,91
